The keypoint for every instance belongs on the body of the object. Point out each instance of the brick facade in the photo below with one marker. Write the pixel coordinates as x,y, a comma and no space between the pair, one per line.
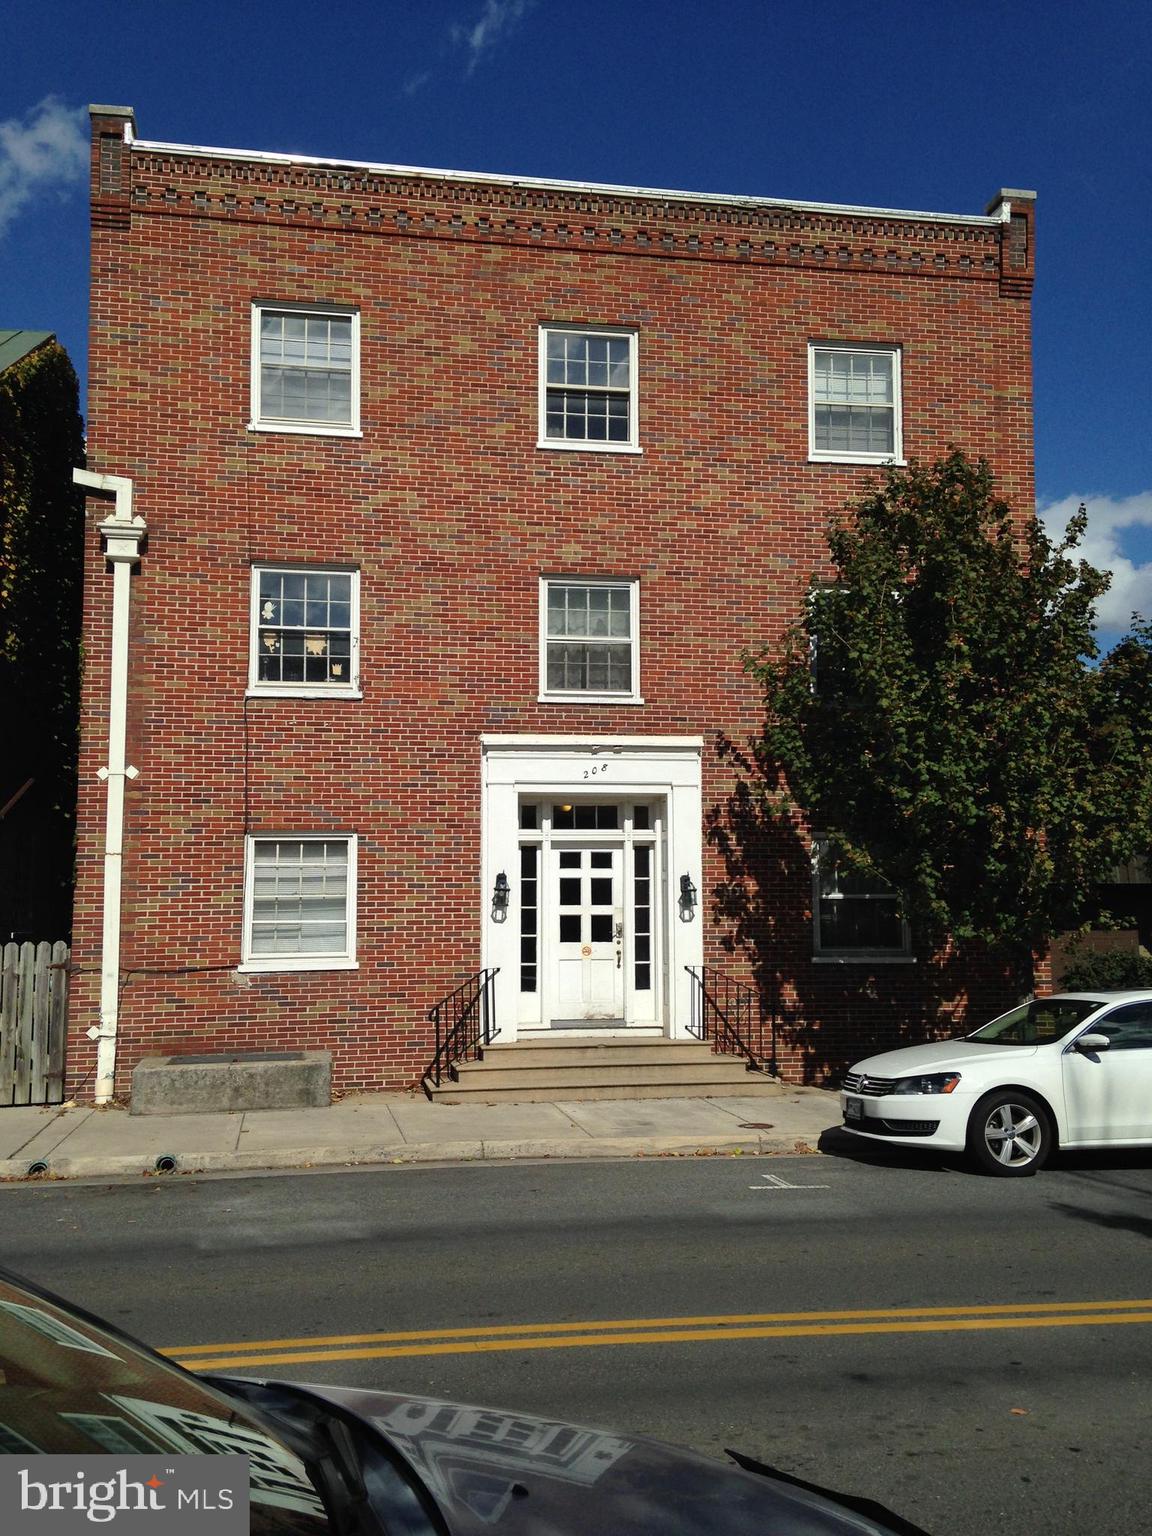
452,513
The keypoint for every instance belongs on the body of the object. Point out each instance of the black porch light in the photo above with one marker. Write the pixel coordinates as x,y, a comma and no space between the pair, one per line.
500,895
687,899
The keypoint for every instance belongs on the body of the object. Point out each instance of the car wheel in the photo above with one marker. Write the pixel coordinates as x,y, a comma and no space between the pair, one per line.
1009,1134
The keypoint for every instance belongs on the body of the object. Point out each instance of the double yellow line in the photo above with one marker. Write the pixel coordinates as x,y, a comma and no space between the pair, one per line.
656,1330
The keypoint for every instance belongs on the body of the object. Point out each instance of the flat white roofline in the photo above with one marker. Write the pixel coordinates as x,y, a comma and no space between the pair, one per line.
268,157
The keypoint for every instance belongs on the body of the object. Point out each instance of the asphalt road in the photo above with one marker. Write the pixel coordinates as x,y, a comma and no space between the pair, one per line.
1022,1403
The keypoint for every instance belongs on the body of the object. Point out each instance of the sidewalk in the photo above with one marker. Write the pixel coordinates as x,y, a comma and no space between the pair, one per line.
75,1142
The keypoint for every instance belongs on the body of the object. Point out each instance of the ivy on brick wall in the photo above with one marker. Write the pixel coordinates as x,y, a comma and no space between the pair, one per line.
41,556
943,718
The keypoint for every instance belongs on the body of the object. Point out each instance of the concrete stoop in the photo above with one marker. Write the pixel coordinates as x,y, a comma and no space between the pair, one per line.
242,1080
534,1071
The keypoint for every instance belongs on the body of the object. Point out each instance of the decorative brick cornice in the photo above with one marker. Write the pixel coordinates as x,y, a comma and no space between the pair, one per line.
314,198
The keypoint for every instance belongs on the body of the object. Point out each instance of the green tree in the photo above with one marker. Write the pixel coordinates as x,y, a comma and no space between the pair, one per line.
937,719
41,568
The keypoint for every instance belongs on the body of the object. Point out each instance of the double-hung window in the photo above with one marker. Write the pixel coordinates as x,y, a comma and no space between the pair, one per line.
588,389
300,903
304,631
854,404
590,640
305,369
854,917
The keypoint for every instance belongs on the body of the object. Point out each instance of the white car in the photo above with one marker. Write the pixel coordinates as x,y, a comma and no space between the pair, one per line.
1074,1070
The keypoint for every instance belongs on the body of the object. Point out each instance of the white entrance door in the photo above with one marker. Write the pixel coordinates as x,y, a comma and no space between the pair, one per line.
588,909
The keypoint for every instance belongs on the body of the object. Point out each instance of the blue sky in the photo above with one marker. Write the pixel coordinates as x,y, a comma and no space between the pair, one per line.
891,103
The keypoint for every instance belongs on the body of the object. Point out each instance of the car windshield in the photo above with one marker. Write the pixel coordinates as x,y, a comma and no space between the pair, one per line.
1036,1023
72,1386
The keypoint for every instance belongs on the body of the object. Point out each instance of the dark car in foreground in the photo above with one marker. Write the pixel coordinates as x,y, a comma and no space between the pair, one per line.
336,1461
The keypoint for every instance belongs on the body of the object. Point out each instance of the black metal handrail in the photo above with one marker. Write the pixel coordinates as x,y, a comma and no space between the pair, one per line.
464,1026
733,1016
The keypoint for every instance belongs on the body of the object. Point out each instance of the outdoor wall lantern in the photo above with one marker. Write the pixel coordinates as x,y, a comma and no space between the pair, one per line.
687,899
500,896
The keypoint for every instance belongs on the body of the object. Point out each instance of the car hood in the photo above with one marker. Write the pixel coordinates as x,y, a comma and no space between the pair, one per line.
508,1473
940,1056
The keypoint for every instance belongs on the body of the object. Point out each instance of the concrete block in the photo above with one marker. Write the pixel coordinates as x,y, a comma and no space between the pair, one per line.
202,1085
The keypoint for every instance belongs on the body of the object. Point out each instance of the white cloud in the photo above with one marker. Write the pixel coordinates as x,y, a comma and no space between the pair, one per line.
45,150
1109,518
497,18
416,82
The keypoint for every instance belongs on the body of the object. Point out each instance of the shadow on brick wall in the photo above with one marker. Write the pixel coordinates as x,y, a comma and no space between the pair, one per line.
825,1015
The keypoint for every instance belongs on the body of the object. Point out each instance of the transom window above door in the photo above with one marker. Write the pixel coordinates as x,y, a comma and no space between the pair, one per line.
588,389
589,642
304,631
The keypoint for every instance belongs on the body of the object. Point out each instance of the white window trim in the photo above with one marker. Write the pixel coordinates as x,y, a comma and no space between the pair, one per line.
902,956
303,428
260,690
582,445
326,962
828,456
581,695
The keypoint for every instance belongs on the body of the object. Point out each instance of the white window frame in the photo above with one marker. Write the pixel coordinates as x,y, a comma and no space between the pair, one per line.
583,445
587,695
257,688
327,961
257,423
835,456
901,956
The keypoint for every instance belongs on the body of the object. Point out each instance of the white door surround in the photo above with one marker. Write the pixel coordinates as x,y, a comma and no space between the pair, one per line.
593,834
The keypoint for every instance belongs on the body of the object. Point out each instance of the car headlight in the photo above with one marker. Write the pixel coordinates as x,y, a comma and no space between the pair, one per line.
934,1082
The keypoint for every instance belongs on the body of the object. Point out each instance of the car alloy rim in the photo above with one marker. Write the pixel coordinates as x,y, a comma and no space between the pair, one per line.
1012,1134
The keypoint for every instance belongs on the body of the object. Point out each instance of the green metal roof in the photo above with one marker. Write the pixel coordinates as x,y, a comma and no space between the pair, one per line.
17,344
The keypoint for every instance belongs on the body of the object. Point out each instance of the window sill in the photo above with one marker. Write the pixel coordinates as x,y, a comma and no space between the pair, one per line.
864,959
578,447
303,692
588,698
302,429
292,963
857,458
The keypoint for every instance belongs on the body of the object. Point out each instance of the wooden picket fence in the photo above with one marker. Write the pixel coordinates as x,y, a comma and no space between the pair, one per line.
33,1011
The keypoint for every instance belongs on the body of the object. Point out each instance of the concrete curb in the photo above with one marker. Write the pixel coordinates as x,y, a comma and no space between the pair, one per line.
16,1170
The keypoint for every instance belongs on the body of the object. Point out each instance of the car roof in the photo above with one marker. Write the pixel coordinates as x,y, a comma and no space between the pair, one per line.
1136,995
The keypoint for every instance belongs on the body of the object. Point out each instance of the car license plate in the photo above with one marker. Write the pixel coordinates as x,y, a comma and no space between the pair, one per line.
853,1109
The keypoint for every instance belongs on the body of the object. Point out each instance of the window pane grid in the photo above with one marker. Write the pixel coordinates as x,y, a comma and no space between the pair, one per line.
304,627
589,417
862,923
529,930
642,907
305,394
854,402
855,913
299,898
306,368
588,384
854,429
588,647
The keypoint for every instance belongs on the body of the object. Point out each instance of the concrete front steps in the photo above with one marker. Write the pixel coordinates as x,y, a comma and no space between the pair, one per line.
535,1071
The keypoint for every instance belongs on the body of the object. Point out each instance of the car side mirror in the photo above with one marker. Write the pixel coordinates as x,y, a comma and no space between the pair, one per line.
1092,1045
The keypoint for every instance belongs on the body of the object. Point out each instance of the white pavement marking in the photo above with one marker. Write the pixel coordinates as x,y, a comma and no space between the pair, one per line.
774,1181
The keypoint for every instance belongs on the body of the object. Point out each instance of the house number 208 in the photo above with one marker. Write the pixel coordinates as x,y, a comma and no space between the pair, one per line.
590,773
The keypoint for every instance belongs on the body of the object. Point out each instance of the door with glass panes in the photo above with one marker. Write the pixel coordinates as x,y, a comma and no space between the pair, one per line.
589,915
590,948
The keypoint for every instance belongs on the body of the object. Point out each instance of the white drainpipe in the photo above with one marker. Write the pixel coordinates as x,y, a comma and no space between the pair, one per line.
122,535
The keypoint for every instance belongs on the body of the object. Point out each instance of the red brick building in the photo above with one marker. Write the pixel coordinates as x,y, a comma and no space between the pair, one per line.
462,496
